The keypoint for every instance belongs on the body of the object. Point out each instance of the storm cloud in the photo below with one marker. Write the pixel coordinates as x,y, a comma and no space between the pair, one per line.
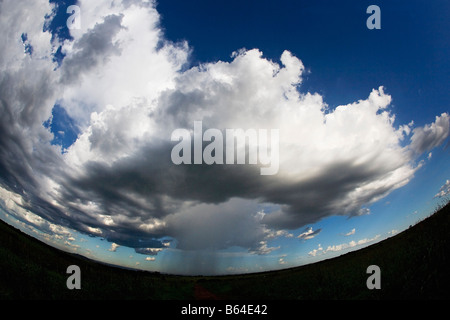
128,88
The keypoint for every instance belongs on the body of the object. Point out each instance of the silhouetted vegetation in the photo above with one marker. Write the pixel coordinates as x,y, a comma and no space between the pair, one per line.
414,265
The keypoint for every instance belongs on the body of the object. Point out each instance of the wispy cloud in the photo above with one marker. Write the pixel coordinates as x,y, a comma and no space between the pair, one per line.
352,232
393,232
309,234
444,191
342,246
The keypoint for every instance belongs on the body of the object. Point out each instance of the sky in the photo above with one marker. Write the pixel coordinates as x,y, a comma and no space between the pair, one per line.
95,99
